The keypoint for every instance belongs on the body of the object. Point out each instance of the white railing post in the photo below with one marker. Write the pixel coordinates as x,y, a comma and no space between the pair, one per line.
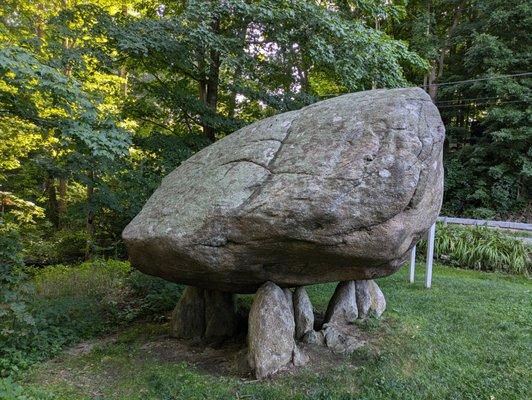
412,265
430,255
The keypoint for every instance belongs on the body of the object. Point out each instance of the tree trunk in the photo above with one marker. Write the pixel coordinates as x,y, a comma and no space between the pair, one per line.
209,88
61,201
211,99
432,87
438,65
123,70
39,31
231,106
89,221
52,205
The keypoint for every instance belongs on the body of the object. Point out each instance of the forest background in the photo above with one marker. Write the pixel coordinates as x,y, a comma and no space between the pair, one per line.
100,99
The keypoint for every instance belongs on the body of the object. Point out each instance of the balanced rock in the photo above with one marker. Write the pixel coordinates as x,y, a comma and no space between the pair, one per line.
271,343
339,190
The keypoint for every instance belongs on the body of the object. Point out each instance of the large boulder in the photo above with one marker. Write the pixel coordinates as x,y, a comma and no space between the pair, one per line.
340,190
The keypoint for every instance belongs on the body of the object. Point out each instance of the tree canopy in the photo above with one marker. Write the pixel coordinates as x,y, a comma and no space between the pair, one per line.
99,99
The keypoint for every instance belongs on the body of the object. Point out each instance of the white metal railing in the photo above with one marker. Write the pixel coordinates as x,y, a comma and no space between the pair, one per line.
520,226
462,221
430,257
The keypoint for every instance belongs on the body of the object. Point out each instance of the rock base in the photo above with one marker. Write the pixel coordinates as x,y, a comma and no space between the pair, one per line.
204,314
271,334
278,320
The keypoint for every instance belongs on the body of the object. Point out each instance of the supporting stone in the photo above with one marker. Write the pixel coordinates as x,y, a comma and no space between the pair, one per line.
363,298
303,313
188,317
313,337
289,295
202,313
351,300
334,339
342,308
220,314
299,358
339,339
378,301
370,300
271,332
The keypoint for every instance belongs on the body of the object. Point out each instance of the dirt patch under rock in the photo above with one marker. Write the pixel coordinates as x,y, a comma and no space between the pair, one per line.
228,358
219,359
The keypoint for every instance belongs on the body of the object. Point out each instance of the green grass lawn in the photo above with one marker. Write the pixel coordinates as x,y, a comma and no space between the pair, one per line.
469,337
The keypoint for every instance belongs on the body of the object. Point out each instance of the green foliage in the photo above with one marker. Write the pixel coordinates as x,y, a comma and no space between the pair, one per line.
151,297
487,117
71,303
19,211
29,85
43,247
9,390
15,318
97,279
100,100
496,152
481,248
468,337
10,245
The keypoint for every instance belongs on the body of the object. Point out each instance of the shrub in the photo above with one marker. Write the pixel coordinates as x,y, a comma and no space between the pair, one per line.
15,319
68,305
59,247
10,390
151,297
72,303
481,248
10,244
99,278
128,293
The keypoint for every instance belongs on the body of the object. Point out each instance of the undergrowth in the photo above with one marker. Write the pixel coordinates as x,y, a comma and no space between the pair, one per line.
480,248
73,303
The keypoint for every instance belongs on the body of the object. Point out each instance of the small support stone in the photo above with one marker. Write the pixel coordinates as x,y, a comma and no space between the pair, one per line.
188,317
340,340
299,358
334,339
220,314
202,313
289,295
271,331
303,313
370,299
313,337
342,308
378,301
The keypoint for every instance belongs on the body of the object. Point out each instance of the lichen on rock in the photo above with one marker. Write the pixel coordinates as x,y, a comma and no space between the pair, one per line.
339,190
